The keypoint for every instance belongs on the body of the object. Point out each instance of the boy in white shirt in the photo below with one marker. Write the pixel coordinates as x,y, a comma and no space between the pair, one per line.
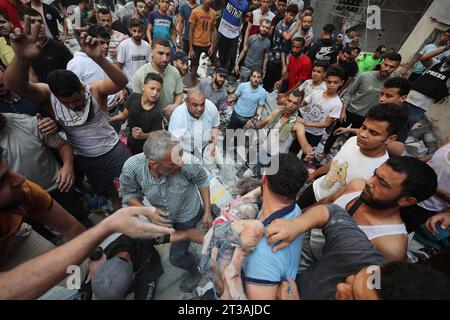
317,81
321,108
133,52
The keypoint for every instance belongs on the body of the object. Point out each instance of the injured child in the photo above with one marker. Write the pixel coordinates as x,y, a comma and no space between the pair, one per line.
234,234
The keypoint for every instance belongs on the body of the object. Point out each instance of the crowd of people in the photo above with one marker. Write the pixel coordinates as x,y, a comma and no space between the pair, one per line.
315,126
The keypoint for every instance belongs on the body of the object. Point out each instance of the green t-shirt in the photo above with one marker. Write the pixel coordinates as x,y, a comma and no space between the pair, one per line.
368,63
172,83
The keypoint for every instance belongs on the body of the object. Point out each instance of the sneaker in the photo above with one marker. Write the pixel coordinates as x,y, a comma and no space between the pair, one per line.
190,281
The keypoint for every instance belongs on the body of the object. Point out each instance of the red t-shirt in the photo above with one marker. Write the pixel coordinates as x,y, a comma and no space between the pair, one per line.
12,11
299,69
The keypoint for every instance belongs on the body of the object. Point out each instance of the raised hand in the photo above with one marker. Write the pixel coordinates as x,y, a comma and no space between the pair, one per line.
25,43
91,46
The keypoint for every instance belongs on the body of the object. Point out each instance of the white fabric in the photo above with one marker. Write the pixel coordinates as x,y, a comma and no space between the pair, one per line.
373,232
348,164
95,137
132,56
318,109
419,99
343,200
195,133
440,164
88,71
257,16
307,87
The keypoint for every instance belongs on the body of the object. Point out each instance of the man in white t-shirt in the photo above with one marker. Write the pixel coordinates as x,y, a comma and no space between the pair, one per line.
88,71
133,52
359,156
196,122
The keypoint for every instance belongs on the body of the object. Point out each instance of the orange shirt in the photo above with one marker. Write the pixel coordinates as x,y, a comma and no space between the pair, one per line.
204,22
36,201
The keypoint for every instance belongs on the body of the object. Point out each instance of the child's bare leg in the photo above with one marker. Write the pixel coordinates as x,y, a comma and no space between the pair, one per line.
232,275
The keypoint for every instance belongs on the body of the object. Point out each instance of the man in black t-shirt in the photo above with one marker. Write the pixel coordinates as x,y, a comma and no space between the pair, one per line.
54,55
350,67
324,49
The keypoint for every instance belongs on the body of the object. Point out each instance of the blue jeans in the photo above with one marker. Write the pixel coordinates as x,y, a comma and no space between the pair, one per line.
179,254
414,113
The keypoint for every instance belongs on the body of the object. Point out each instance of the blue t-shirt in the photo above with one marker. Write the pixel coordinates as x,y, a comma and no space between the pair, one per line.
249,99
185,12
230,24
264,267
162,24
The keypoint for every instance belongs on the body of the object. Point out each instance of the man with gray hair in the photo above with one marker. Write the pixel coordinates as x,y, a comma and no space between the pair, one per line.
174,189
196,122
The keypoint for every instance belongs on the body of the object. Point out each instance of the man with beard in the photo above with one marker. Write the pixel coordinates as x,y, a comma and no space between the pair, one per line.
214,90
299,67
181,62
172,93
250,98
196,122
104,19
375,205
363,94
133,52
21,199
256,53
139,13
306,31
179,193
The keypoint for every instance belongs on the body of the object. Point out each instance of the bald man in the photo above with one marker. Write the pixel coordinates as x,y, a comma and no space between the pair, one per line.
196,122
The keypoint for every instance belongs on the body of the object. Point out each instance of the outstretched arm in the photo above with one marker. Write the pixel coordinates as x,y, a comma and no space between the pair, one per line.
283,231
32,278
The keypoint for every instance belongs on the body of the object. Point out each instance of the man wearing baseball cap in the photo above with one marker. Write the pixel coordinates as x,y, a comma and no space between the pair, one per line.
180,61
214,89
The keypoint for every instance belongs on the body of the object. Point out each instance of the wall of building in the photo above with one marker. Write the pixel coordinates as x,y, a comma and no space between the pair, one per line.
396,26
423,29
